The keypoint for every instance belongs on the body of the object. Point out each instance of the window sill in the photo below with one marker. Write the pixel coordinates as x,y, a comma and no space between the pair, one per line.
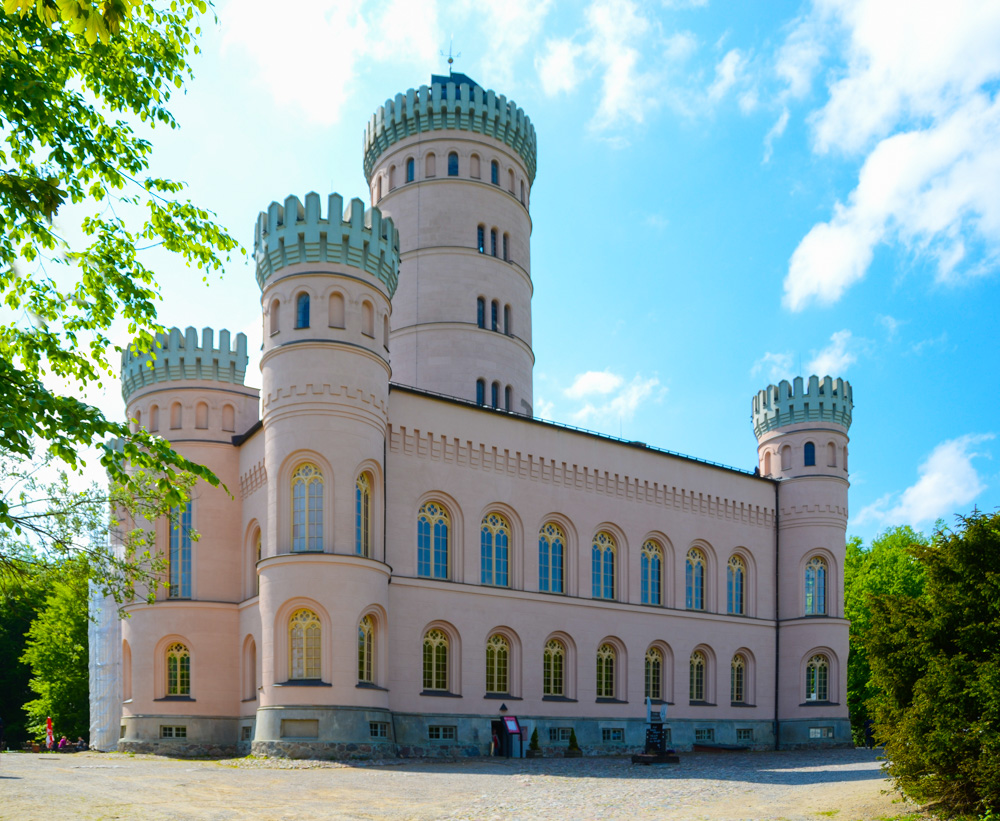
566,699
367,685
657,702
814,703
174,698
503,697
439,694
303,682
248,700
701,704
602,700
740,704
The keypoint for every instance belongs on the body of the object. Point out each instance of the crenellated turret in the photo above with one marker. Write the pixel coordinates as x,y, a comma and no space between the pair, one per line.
461,105
290,234
829,400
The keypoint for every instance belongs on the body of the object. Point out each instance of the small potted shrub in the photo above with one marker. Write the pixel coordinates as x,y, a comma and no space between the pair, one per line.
573,750
534,749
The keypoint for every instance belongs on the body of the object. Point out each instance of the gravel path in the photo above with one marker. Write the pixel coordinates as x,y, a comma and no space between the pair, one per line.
843,784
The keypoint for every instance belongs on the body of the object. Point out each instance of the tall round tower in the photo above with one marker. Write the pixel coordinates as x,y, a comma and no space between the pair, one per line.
802,442
453,164
326,283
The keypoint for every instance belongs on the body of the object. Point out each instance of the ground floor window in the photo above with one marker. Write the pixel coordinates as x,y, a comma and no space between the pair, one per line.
559,733
612,734
378,729
174,732
441,733
705,734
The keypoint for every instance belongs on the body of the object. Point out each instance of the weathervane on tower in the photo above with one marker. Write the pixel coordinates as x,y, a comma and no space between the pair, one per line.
451,59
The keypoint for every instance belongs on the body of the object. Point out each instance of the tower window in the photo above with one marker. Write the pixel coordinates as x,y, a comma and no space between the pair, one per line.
481,312
522,192
302,311
510,180
809,454
453,164
508,398
494,316
506,321
506,247
481,239
430,165
493,241
495,395
495,172
410,169
474,166
480,392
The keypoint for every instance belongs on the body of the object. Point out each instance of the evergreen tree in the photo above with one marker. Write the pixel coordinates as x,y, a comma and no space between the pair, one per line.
935,663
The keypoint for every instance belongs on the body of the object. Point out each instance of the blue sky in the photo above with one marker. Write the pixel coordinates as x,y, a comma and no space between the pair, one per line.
727,194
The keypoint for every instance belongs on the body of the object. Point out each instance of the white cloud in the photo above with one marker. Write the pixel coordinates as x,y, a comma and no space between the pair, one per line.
835,358
890,323
620,407
511,24
948,483
777,366
591,382
543,409
916,97
557,66
309,59
728,71
775,133
683,4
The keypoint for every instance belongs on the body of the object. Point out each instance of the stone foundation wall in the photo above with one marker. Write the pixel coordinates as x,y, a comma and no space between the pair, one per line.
323,750
179,749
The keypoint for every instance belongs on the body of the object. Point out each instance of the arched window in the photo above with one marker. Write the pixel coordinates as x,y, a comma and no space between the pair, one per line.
178,670
495,395
602,556
138,420
809,454
697,676
453,164
818,678
767,463
275,309
506,320
480,391
385,331
497,665
366,647
304,635
522,192
180,552
367,319
307,509
259,553
831,455
493,243
508,398
816,587
228,418
201,416
363,515
786,457
432,541
302,311
336,310
474,166
506,247
845,458
176,416
495,172
551,547
250,670
654,673
481,239
154,418
553,667
652,573
392,177
510,180
494,550
494,316
429,166
736,574
480,312
694,580
378,188
435,660
409,169
606,658
737,679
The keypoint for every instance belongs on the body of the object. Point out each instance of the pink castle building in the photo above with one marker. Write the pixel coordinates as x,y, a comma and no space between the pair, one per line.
409,555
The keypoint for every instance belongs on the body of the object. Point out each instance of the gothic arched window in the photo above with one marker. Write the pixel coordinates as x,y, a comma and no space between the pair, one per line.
304,642
497,665
432,541
652,573
736,574
178,660
694,580
307,509
495,550
602,558
816,587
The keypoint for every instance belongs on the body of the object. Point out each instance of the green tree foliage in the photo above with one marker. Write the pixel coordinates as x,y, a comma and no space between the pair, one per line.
74,76
935,663
886,567
20,602
56,652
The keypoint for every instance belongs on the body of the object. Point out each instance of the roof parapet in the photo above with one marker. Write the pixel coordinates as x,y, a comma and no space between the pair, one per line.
179,357
827,400
291,234
450,106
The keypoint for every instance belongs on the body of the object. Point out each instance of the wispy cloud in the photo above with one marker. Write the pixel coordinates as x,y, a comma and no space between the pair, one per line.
890,323
593,382
926,122
618,404
948,483
776,366
835,358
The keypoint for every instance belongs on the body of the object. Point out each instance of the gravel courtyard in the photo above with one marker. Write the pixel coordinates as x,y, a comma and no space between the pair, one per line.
843,784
